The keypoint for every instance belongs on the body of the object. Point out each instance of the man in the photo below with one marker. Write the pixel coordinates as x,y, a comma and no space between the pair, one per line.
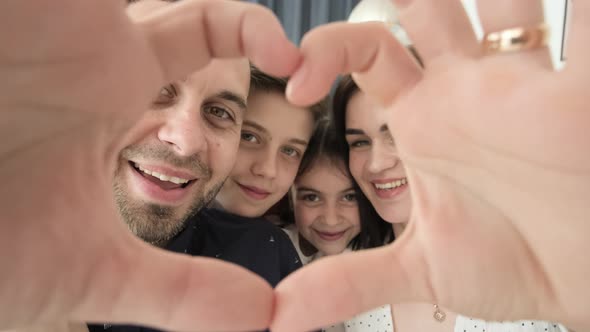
183,148
180,152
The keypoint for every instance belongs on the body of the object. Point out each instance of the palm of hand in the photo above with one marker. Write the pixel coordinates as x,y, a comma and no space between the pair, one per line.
479,197
59,171
78,74
480,240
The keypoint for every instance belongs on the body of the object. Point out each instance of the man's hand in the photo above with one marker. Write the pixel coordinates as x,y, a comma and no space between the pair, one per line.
75,75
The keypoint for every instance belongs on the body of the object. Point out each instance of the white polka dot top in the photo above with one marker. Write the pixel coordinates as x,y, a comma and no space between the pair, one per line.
379,320
464,324
376,320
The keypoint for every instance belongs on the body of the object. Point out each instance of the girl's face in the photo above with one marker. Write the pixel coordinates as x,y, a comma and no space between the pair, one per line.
374,161
326,210
274,137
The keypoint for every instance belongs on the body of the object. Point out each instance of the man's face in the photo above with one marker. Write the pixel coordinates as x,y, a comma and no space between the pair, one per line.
179,154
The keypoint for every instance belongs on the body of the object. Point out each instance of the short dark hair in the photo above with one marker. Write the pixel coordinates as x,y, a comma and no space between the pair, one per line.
380,229
263,82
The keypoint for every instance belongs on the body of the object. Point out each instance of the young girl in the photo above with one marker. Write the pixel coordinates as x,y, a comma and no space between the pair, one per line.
374,164
332,216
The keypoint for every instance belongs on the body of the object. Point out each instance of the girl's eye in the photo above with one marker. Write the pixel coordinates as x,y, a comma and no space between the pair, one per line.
291,152
311,198
249,137
351,197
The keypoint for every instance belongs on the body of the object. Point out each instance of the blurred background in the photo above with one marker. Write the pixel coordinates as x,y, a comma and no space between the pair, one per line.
299,16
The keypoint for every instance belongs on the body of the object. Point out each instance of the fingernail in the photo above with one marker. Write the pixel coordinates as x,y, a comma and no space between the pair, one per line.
296,82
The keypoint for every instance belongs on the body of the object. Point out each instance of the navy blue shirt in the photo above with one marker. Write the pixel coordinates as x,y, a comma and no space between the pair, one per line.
253,243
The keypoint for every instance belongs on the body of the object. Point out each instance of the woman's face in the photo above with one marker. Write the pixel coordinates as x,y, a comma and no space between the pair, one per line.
326,210
374,161
274,137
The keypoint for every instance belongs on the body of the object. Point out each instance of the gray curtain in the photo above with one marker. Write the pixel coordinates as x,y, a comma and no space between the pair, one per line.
299,16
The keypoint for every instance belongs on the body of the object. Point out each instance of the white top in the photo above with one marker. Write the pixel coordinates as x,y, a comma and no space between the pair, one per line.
376,320
380,320
293,234
464,324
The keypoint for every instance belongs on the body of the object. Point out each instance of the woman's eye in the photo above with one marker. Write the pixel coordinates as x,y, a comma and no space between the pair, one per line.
358,144
248,137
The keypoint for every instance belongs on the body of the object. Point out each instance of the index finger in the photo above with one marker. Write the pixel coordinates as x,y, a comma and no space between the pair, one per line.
349,284
383,66
186,35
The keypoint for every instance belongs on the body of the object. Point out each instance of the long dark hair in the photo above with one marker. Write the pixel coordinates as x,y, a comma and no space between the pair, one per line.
345,90
327,144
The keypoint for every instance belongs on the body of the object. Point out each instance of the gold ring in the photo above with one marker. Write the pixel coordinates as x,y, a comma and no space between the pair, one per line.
515,39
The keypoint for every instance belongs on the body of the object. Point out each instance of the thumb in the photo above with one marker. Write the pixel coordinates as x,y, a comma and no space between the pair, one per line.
337,288
382,65
149,286
186,35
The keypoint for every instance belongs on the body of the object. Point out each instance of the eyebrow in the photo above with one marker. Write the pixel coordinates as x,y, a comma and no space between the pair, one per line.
264,131
298,141
255,125
306,189
317,191
353,131
232,97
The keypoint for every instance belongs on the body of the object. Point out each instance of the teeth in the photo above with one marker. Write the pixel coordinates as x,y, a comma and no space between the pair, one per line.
162,177
178,180
391,185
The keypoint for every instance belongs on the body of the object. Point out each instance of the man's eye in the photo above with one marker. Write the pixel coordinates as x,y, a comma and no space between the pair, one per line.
166,95
218,112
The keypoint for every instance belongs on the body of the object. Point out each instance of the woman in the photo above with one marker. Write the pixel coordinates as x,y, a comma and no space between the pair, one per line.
374,164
